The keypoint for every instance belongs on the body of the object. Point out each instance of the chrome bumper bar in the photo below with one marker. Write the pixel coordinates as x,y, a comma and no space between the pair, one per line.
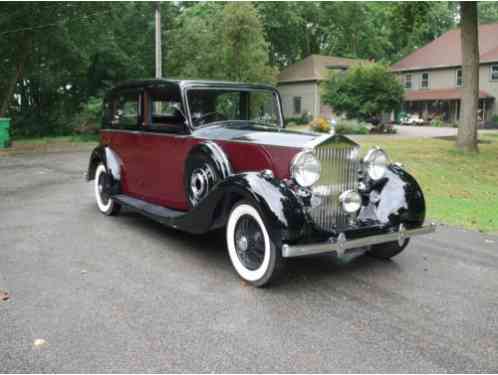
340,244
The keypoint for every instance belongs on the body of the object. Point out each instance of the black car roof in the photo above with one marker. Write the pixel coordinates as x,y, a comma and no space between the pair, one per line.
184,83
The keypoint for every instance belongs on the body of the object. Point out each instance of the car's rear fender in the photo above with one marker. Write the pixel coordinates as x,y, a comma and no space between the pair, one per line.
112,161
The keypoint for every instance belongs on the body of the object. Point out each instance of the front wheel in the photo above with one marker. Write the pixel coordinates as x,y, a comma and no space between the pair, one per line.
105,203
253,254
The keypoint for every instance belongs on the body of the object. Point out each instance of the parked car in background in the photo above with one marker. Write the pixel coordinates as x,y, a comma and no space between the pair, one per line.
200,155
412,119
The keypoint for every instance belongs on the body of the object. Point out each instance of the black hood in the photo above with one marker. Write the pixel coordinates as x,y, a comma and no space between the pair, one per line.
250,132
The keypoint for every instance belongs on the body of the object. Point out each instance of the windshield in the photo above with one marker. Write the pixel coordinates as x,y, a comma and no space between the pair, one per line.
208,106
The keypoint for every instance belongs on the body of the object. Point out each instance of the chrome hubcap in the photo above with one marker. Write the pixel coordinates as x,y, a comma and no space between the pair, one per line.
243,243
200,182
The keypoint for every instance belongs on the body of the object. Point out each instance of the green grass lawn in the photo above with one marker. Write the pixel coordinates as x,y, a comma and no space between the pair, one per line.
460,189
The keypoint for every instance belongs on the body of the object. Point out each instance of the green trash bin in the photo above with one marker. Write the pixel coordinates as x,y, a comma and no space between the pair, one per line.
4,132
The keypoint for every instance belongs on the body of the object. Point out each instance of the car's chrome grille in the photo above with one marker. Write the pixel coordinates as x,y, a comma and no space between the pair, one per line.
339,158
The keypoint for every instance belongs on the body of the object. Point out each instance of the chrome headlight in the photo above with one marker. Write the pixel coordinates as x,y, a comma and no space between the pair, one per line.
305,168
376,163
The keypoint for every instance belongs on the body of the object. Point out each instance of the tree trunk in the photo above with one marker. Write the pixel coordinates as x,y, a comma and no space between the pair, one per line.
21,58
467,129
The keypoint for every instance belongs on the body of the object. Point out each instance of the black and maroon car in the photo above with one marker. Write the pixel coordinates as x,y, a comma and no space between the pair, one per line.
200,155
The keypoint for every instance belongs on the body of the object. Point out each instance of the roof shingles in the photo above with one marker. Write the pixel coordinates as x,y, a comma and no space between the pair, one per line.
446,50
313,68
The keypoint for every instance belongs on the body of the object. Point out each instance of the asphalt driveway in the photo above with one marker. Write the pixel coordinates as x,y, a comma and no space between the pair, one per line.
91,293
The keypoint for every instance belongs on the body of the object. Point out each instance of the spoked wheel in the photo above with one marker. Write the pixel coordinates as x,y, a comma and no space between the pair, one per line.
105,203
254,256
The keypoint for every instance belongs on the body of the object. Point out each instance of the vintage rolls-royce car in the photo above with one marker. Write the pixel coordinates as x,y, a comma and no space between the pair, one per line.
201,155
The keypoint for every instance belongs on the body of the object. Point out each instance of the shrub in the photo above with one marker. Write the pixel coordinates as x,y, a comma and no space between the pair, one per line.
320,125
351,127
364,91
87,121
304,119
383,129
437,122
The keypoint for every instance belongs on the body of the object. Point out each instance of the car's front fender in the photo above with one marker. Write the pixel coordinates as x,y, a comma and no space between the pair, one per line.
281,209
397,199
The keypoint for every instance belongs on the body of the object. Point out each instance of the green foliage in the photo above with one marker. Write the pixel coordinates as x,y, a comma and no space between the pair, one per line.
363,91
351,127
304,119
220,41
57,55
437,122
87,120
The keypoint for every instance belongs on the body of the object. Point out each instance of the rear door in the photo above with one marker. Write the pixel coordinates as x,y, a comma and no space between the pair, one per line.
124,135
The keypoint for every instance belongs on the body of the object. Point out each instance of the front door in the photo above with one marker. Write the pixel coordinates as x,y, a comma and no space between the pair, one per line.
164,146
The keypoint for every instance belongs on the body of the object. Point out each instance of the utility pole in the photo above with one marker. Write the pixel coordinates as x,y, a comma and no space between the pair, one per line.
159,62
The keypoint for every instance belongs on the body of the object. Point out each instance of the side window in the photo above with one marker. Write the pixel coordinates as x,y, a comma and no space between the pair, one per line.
126,110
164,110
228,105
424,83
263,107
408,81
297,105
494,72
459,78
107,112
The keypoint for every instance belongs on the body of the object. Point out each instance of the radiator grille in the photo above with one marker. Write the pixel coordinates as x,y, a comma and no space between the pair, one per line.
339,158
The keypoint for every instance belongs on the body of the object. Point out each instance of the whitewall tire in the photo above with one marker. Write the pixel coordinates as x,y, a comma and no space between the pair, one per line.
105,204
252,252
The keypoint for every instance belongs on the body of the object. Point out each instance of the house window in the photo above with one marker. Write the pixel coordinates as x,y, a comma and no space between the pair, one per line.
408,81
424,83
297,105
459,78
494,72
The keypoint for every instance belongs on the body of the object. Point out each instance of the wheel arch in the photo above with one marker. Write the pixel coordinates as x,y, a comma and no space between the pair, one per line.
216,153
97,156
279,207
112,161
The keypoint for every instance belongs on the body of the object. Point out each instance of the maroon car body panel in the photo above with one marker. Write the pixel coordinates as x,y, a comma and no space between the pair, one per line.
153,163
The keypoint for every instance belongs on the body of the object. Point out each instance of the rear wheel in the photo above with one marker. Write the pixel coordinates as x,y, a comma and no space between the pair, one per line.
388,250
105,203
252,252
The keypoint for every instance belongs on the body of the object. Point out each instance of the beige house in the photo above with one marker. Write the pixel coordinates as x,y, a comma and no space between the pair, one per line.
299,84
432,76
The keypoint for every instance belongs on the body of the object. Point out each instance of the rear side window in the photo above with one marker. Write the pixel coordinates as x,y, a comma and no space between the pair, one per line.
126,110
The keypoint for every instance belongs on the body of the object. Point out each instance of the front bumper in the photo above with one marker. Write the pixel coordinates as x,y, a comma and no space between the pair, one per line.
340,244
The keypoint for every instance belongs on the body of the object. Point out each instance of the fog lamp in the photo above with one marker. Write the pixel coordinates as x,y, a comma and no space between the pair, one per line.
351,201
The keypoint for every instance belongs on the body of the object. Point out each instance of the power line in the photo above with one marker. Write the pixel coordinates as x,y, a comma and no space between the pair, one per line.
57,23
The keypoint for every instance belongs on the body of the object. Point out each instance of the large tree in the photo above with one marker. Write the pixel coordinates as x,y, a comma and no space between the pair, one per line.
220,41
467,129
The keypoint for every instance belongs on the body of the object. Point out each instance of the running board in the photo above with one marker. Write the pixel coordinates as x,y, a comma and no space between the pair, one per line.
159,213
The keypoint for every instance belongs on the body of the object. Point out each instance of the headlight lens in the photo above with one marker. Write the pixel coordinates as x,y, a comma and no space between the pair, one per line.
305,168
376,162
